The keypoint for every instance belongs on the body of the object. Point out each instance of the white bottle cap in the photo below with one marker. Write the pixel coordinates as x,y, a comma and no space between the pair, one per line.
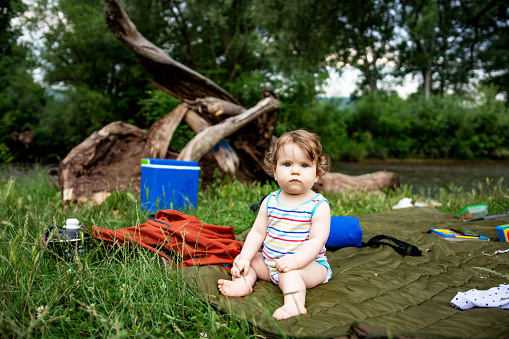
72,224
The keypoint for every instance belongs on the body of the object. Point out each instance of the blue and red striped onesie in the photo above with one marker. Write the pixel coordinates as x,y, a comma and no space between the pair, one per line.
288,229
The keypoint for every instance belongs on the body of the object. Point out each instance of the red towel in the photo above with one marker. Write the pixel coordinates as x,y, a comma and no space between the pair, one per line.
181,238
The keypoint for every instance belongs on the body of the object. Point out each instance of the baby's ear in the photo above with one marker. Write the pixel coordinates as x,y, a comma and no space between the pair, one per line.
319,172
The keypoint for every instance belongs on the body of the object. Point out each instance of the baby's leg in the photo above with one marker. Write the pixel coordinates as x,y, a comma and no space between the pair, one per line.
239,287
294,284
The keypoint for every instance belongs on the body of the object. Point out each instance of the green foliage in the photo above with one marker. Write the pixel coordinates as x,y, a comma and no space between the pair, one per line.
94,79
247,47
5,155
471,126
79,51
493,31
21,100
483,132
365,39
323,117
295,32
442,41
68,120
496,60
156,107
219,39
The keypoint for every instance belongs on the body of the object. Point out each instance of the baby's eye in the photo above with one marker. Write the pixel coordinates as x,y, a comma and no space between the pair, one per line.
305,165
286,164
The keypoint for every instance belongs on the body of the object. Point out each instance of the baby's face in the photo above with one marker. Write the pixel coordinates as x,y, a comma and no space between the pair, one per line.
295,172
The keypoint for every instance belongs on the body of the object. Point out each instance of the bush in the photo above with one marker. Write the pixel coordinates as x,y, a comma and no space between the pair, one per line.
456,127
155,107
68,119
5,155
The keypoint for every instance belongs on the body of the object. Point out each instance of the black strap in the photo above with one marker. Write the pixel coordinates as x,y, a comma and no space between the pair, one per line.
401,247
256,207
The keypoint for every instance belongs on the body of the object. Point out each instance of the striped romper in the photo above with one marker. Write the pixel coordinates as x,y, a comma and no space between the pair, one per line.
288,228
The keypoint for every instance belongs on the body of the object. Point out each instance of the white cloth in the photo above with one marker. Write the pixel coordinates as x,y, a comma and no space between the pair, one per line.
494,297
403,203
409,202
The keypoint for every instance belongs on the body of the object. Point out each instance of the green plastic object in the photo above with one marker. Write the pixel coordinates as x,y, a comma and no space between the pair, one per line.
473,211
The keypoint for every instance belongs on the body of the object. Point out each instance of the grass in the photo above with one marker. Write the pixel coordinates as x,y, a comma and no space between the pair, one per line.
122,293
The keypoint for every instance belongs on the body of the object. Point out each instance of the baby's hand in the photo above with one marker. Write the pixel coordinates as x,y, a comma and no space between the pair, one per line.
240,265
286,264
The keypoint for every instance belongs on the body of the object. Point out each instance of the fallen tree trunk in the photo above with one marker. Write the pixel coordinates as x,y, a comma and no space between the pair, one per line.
226,158
204,141
215,107
108,159
161,132
168,75
342,183
191,87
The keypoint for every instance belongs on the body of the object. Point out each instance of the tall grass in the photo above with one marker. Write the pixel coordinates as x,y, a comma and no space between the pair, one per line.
125,293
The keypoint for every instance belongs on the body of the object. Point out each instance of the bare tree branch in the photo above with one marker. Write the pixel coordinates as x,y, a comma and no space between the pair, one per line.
204,141
169,75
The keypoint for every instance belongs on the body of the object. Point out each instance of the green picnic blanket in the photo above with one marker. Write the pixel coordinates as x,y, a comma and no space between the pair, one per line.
375,291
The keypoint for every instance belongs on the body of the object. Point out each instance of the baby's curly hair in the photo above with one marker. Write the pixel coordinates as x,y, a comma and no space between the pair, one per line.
309,143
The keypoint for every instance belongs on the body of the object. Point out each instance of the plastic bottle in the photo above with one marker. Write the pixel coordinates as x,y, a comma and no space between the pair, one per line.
68,240
71,229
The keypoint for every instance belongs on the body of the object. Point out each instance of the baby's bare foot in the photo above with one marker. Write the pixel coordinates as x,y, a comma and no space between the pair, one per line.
234,288
286,311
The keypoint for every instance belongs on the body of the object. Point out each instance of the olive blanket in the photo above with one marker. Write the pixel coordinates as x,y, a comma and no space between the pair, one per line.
374,291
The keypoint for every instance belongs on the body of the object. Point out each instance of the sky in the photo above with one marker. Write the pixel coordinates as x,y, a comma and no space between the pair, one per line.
343,85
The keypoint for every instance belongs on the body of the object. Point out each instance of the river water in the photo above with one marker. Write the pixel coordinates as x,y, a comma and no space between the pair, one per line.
432,175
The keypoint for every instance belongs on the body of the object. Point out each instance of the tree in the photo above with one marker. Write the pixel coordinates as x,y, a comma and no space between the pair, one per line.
364,38
472,27
299,33
89,78
219,39
316,34
21,99
86,169
78,52
495,58
230,43
421,20
493,34
442,39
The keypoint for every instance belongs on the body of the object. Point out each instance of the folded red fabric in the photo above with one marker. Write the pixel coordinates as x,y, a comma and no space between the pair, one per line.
181,238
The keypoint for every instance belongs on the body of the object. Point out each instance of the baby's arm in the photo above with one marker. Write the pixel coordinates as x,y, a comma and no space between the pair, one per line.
253,242
320,228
